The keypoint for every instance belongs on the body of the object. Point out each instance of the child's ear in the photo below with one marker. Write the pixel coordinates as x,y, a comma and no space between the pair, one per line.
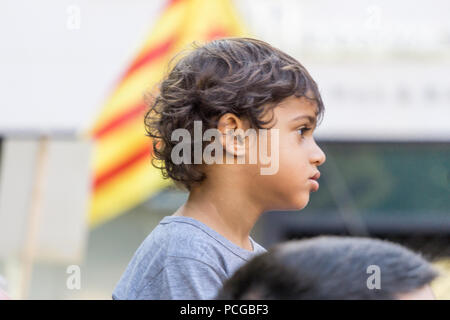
234,143
233,139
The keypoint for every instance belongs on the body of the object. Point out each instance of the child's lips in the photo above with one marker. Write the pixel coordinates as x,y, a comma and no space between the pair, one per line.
315,185
313,179
316,176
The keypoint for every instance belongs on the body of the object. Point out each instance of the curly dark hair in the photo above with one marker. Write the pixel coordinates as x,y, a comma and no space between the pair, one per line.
243,76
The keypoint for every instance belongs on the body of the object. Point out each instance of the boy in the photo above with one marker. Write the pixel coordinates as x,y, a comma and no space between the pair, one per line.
229,85
333,268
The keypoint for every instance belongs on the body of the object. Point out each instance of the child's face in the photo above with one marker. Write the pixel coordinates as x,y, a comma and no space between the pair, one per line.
299,157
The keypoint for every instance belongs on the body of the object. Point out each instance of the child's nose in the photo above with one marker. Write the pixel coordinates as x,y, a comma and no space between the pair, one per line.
318,156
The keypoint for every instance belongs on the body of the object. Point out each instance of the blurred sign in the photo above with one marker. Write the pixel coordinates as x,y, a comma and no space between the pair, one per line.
384,101
44,205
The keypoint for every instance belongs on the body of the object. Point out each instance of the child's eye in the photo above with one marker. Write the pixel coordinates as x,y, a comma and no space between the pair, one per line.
303,130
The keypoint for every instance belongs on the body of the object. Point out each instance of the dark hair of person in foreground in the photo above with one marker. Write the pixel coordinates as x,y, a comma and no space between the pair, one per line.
331,267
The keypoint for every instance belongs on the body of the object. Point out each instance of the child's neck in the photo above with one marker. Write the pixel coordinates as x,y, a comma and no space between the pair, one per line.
231,218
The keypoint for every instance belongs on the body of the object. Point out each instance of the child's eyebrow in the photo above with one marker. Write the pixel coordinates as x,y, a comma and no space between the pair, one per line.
312,120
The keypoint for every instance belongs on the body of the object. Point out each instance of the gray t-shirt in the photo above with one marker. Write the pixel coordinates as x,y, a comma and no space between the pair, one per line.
182,258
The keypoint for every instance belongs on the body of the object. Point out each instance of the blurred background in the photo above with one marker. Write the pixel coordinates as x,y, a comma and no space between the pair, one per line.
78,193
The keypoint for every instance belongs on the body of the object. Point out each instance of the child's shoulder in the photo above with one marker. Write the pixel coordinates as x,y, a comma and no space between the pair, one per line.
179,242
180,237
185,237
172,243
177,237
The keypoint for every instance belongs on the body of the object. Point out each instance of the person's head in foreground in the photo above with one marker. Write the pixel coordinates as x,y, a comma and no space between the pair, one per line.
330,267
232,85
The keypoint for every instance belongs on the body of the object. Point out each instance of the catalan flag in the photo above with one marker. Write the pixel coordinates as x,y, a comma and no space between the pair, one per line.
123,175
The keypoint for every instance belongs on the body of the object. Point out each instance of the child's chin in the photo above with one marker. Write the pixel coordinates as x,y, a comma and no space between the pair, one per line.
295,203
300,203
301,207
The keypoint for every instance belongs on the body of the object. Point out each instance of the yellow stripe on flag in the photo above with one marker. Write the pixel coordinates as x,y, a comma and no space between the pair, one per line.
137,183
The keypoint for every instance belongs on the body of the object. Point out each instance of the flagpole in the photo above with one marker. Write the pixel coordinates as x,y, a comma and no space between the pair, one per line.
31,235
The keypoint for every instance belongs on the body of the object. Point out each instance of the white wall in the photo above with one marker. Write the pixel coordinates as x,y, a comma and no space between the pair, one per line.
56,76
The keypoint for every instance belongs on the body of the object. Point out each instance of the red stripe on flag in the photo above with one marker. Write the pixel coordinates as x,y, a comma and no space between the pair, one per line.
217,34
150,55
121,119
121,167
171,3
